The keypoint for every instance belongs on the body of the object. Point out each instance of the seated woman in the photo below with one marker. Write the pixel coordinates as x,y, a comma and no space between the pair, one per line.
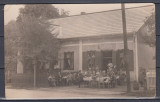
89,72
69,79
51,80
98,73
103,73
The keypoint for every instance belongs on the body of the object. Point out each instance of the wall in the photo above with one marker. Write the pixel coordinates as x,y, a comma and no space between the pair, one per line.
99,43
146,53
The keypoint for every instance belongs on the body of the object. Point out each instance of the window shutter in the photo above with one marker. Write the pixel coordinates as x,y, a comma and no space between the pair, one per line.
72,60
64,61
98,59
85,60
114,57
130,60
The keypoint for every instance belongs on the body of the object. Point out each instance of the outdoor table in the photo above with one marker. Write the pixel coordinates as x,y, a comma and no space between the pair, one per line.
88,80
101,81
94,83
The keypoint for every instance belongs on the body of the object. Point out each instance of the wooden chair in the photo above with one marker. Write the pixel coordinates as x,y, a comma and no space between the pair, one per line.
107,82
101,82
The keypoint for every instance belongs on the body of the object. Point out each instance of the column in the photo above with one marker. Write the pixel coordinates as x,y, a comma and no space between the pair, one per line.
34,76
80,55
136,58
19,63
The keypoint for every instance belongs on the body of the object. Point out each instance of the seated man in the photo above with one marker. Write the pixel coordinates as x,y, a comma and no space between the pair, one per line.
58,78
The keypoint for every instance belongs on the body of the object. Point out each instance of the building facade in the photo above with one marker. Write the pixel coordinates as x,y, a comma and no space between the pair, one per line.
97,51
96,39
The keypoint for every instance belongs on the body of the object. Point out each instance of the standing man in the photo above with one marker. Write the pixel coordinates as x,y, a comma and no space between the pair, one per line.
80,78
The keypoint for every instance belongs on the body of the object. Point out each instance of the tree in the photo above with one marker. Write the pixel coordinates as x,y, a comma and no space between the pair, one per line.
37,41
11,34
39,11
149,37
11,37
42,11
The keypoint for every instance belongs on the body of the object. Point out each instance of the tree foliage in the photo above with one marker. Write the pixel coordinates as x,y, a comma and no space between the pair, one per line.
39,11
11,37
37,41
11,34
149,37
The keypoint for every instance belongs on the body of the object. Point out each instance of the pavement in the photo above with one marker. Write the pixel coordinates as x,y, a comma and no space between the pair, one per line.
67,92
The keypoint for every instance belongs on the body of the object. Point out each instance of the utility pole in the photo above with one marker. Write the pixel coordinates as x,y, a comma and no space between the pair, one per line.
125,47
34,77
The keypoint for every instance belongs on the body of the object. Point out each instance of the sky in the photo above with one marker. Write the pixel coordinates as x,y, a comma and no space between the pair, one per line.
12,11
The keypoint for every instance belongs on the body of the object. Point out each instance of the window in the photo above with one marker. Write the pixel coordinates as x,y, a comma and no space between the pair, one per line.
91,59
120,59
107,58
69,61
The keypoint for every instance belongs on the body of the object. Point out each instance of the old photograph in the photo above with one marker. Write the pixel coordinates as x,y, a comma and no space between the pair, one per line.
80,51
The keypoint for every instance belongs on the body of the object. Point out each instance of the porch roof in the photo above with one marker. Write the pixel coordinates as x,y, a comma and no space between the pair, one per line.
100,23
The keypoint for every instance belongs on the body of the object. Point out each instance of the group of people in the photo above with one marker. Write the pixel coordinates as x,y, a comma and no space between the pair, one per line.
111,75
64,79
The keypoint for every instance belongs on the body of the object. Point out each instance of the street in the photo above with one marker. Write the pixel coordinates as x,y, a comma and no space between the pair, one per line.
67,92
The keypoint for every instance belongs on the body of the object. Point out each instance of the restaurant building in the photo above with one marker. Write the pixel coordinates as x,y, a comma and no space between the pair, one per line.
95,39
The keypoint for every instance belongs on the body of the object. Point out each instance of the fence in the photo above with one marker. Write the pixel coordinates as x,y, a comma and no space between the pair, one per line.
151,79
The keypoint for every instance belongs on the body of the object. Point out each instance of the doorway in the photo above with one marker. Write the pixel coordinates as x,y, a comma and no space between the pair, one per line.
106,58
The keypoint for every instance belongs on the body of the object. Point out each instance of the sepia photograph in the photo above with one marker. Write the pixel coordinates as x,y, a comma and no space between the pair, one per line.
80,51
